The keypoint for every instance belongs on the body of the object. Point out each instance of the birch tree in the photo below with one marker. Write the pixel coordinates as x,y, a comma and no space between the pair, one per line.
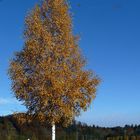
48,74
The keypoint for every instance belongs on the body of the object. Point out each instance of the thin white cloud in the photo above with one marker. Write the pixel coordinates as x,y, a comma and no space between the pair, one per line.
6,101
110,119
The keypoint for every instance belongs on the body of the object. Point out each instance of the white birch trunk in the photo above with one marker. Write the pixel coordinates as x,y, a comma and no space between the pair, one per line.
53,131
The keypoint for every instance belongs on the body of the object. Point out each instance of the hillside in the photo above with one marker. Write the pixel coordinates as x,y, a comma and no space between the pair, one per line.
11,130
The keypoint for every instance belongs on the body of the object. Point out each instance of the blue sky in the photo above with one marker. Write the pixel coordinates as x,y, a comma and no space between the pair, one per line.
110,40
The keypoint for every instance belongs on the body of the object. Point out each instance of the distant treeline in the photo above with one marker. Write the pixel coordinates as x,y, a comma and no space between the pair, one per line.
10,129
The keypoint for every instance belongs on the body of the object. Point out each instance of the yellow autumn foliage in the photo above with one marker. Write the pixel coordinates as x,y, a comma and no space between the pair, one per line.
48,74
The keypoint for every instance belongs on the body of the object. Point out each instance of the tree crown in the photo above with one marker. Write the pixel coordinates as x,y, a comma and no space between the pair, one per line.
48,73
